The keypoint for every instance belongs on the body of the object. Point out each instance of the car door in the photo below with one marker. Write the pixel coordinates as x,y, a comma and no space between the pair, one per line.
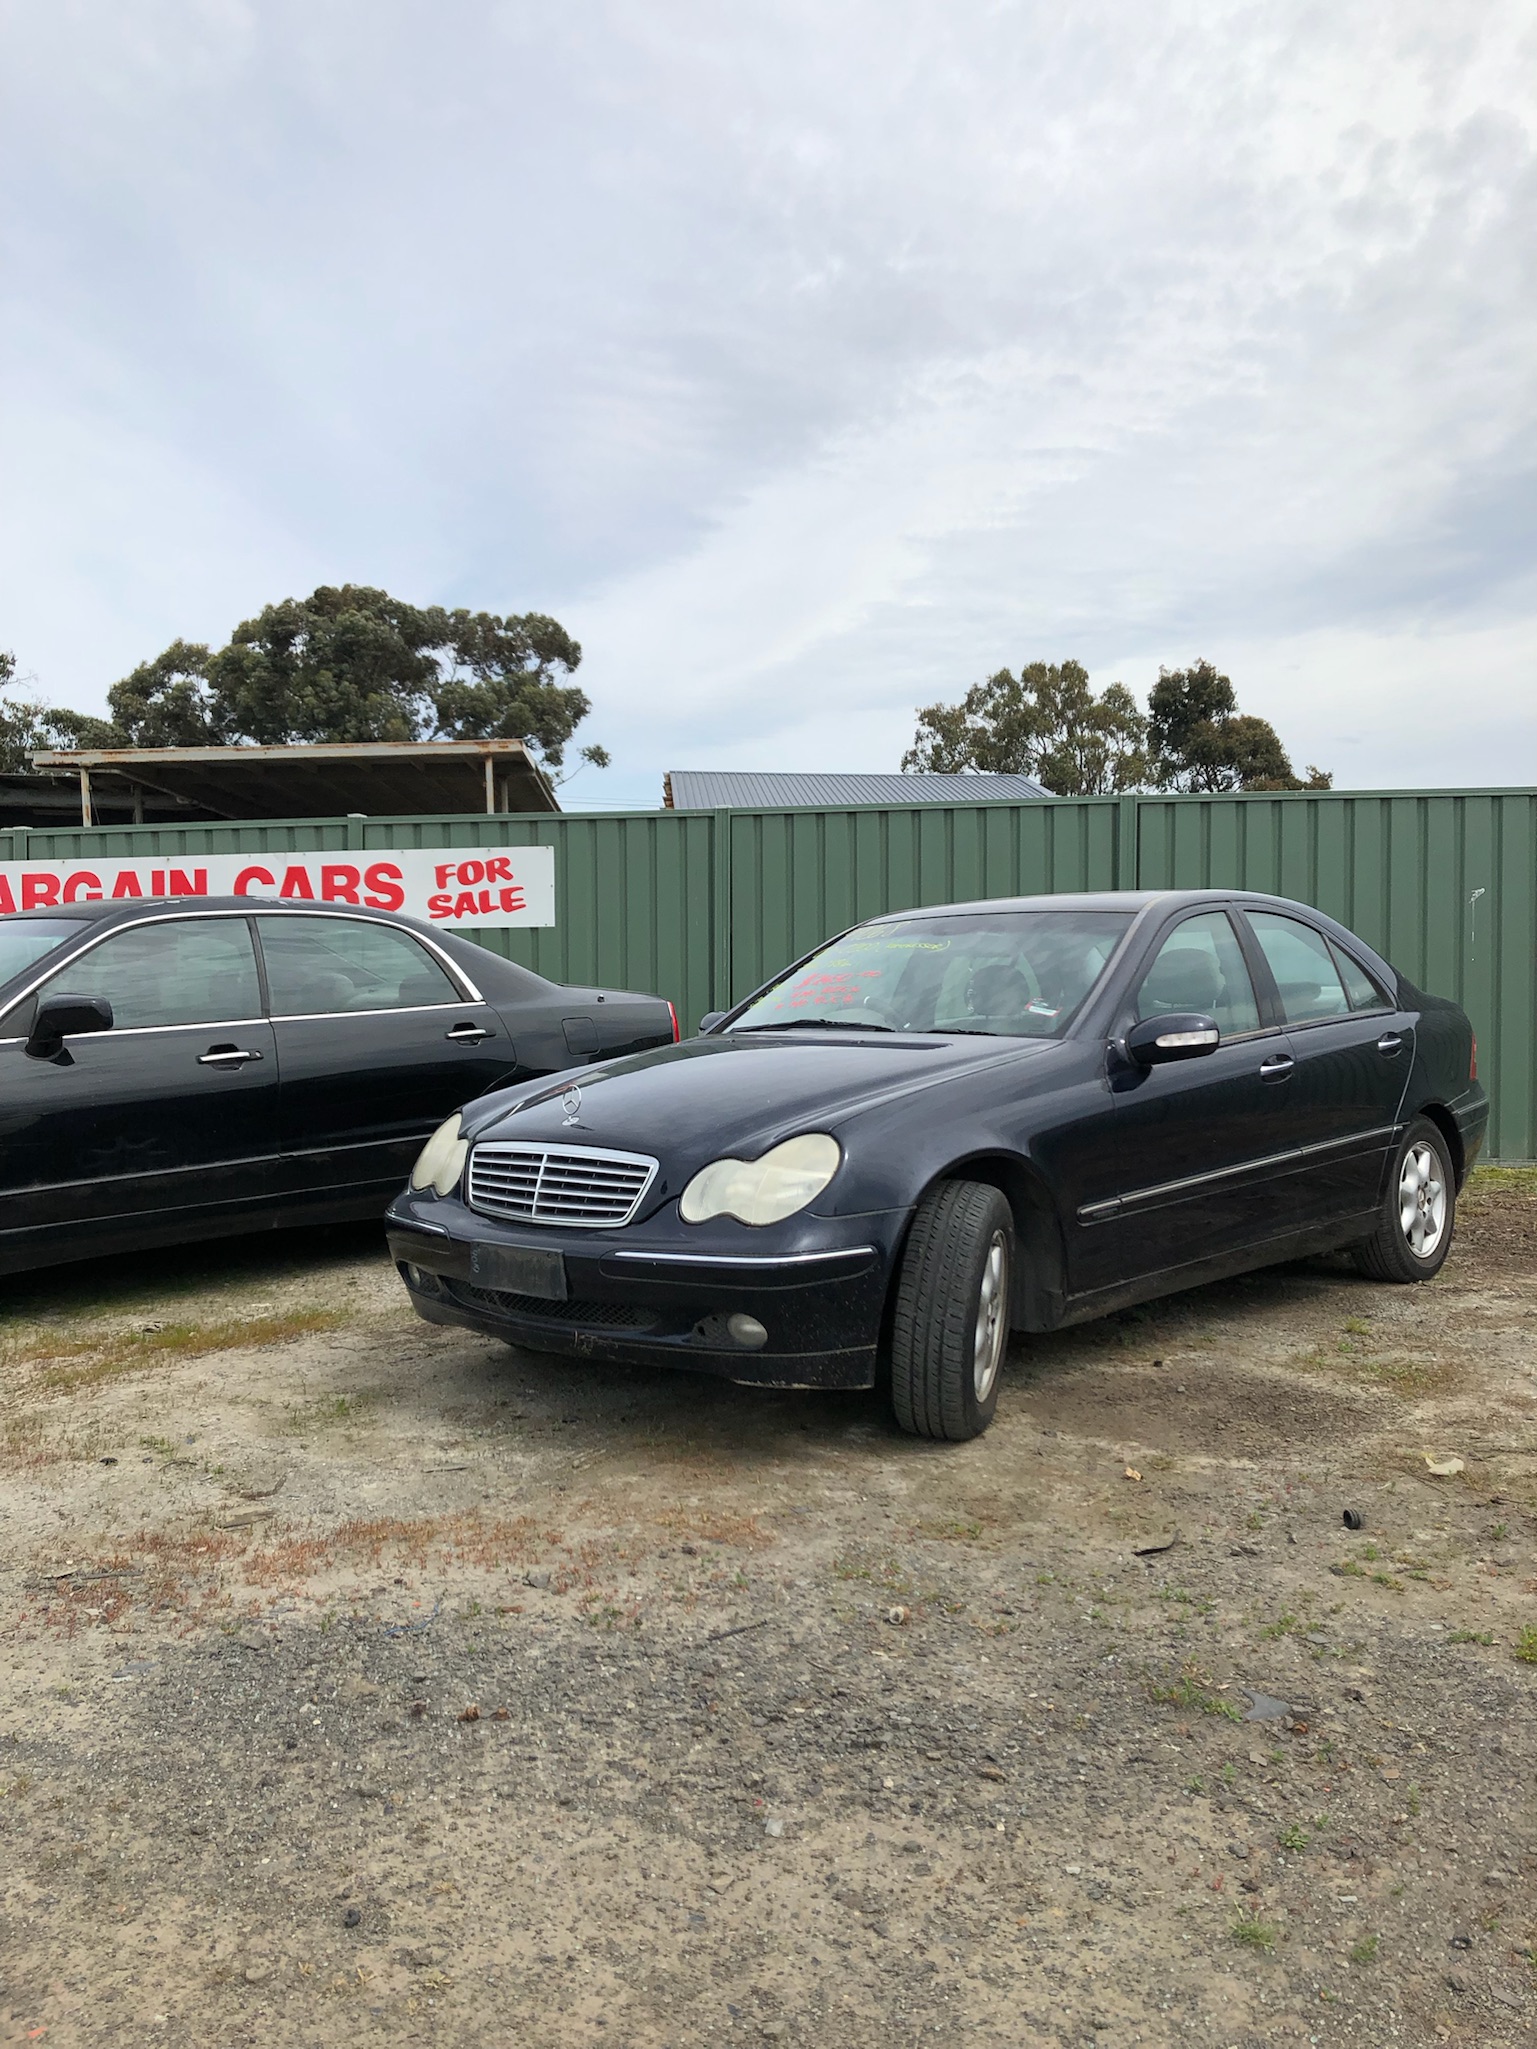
1353,1052
378,1040
1202,1144
171,1113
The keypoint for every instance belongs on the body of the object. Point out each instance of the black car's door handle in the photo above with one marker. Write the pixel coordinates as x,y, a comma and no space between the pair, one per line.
468,1034
1277,1067
1389,1044
227,1056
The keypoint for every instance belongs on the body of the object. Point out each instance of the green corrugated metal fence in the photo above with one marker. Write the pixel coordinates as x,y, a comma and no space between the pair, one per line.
702,906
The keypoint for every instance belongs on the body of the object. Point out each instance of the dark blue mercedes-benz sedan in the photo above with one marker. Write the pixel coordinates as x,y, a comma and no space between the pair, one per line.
951,1123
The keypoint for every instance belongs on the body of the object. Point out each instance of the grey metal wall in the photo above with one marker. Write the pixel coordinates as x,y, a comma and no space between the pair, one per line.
702,906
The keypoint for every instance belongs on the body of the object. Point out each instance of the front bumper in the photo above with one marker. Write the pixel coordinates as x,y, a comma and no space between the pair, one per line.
661,1293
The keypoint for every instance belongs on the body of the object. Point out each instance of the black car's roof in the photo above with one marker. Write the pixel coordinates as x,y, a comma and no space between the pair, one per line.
140,906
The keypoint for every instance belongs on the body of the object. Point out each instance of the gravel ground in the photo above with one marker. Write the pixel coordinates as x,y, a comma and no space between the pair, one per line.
360,1680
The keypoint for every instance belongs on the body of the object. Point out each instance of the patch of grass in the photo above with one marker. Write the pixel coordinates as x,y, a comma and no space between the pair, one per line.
1293,1837
1285,1624
1470,1636
1526,1645
1254,1934
954,1530
1504,1181
86,1362
1365,1951
1192,1689
1357,1327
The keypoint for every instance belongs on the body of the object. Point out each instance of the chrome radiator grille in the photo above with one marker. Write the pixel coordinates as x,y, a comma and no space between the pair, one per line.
559,1184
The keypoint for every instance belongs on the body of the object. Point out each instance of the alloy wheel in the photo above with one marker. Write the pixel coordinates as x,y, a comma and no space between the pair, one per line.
1422,1199
992,1317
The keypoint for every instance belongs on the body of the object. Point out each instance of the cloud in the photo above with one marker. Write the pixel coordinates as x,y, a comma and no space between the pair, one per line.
808,363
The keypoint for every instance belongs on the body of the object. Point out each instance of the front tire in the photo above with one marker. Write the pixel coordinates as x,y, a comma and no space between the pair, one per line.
1419,1211
950,1326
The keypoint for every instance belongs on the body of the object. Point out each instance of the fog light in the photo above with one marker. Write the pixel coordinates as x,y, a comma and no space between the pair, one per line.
746,1330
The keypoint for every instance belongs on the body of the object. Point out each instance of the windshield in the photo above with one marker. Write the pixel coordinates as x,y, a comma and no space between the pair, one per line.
1008,974
24,940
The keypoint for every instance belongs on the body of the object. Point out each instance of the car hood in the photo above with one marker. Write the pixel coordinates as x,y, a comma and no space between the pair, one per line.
732,1093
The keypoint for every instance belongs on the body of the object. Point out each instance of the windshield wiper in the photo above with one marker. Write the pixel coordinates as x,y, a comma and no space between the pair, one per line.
818,1024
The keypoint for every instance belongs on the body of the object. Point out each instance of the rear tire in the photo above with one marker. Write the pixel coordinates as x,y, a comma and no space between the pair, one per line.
950,1325
1419,1211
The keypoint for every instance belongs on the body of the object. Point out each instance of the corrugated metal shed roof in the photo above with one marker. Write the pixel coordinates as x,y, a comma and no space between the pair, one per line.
690,789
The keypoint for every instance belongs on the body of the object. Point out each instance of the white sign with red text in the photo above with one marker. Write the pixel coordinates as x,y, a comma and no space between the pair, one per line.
454,887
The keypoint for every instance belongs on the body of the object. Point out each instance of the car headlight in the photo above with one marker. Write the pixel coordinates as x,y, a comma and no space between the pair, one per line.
763,1191
441,1160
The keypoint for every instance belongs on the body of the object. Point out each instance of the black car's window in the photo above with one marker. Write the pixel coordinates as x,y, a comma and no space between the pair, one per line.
182,971
1359,986
321,965
24,940
1200,967
1013,974
1303,967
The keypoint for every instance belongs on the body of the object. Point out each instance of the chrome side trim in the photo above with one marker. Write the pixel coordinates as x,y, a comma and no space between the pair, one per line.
411,1224
739,1259
1094,1212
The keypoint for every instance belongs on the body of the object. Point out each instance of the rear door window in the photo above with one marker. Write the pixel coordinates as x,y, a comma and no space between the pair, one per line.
319,967
171,972
1359,986
1302,963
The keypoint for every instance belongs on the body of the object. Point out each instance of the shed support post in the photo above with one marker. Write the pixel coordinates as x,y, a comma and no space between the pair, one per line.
85,796
490,782
138,803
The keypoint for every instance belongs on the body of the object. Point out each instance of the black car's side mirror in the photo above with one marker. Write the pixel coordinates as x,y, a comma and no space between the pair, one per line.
1178,1035
710,1020
63,1017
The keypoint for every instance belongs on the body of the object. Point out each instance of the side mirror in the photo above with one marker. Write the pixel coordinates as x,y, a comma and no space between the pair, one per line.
710,1020
1179,1035
64,1017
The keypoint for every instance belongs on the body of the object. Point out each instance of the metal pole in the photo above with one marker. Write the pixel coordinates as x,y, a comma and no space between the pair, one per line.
85,796
490,782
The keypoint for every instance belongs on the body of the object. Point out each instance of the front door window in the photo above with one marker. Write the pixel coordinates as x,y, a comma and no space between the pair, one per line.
177,971
1200,968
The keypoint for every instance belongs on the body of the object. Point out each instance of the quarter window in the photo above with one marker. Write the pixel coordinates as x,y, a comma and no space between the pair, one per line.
1359,986
1200,967
317,966
181,972
1303,966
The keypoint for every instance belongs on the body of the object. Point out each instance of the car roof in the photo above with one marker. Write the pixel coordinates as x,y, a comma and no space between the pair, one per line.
139,906
1132,900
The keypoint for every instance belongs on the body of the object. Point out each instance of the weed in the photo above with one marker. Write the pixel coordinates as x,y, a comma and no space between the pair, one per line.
1293,1837
1370,1551
1284,1625
1365,1951
1196,1785
1229,1775
1386,1579
1192,1690
953,1531
1357,1327
1499,1533
1526,1645
1470,1636
86,1362
1412,1798
1254,1934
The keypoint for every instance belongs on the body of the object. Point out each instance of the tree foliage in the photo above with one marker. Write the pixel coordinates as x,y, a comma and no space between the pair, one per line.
350,664
27,726
1046,722
1199,740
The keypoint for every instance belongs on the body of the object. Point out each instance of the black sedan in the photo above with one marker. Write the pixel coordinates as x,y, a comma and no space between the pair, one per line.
185,1069
947,1124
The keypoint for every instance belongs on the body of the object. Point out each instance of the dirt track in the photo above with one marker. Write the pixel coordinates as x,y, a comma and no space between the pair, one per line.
361,1681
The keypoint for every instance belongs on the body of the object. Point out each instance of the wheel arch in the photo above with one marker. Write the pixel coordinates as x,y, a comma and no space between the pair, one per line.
1446,1124
1040,1269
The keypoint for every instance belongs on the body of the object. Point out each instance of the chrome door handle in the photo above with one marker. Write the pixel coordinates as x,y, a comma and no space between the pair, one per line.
468,1034
1277,1067
227,1056
1389,1044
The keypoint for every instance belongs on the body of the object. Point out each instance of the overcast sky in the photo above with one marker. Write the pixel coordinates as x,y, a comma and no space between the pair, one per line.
807,361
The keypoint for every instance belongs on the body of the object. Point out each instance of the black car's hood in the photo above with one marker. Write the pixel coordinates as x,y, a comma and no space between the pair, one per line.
733,1093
